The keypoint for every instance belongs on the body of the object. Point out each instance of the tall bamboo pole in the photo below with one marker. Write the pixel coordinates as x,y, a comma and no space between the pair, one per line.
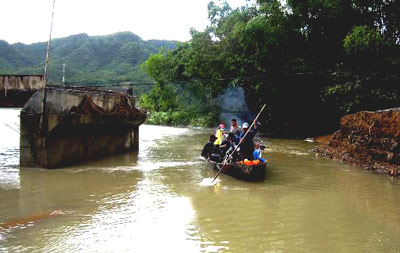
45,74
230,155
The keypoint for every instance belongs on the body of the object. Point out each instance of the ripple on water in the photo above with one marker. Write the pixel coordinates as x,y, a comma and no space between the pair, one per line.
155,202
150,166
9,176
209,182
145,216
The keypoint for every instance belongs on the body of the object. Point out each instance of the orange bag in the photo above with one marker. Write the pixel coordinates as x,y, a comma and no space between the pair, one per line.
250,162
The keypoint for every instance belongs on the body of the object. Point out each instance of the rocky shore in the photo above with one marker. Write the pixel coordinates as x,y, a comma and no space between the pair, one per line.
370,140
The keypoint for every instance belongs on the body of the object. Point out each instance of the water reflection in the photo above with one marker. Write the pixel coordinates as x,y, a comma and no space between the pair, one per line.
9,149
152,201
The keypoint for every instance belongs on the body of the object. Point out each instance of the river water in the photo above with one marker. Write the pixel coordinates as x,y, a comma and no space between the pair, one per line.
153,201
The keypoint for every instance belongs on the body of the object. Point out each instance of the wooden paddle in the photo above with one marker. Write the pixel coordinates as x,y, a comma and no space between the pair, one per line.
240,142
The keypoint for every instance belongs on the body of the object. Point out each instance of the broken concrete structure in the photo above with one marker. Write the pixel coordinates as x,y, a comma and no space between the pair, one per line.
78,124
16,90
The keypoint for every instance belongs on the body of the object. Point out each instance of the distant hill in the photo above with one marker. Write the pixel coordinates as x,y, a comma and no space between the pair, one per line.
90,60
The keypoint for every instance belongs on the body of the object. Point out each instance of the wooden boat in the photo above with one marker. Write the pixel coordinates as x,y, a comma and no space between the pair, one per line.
245,172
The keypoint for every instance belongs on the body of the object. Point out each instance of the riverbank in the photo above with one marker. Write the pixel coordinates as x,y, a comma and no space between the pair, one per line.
370,140
181,119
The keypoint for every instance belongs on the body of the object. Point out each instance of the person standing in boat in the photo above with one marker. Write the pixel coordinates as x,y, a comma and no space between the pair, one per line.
209,148
247,144
235,129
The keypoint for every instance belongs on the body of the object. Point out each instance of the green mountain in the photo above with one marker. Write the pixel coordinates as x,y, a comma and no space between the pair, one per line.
90,60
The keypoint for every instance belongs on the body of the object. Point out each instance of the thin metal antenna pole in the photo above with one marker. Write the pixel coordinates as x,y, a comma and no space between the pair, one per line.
63,74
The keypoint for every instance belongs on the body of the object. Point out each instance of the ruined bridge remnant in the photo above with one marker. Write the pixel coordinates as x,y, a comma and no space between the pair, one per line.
15,90
78,124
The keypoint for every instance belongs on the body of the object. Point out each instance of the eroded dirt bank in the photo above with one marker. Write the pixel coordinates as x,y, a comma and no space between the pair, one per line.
370,140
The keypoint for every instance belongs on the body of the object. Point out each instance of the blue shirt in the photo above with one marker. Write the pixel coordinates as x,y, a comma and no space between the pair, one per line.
257,155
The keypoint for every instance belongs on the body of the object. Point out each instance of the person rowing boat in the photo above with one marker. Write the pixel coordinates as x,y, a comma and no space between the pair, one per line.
246,169
246,140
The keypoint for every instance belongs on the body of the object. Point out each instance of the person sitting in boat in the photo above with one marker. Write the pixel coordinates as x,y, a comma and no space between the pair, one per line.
257,154
229,144
235,129
219,134
209,148
247,144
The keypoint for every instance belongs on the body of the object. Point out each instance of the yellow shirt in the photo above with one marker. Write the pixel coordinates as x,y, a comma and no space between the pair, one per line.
218,134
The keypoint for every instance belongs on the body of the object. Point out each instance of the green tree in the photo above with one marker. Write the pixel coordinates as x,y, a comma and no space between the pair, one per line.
367,49
304,59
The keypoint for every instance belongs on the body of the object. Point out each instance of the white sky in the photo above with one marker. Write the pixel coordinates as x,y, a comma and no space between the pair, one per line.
28,21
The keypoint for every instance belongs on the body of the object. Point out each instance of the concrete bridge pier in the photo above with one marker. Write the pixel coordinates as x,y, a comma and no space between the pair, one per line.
78,124
15,90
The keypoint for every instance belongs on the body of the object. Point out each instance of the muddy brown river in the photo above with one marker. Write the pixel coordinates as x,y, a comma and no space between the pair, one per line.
153,201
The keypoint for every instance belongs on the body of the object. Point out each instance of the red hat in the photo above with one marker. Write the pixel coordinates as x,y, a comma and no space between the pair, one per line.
222,126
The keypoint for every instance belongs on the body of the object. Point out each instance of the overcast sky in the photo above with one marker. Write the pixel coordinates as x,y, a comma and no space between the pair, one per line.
28,21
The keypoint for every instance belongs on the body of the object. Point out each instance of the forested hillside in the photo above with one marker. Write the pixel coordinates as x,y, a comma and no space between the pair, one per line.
90,60
311,62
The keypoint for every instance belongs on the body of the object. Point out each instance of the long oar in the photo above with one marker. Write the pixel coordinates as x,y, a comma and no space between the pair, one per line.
240,142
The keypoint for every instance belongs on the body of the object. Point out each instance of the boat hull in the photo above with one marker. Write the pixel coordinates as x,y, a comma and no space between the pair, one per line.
251,173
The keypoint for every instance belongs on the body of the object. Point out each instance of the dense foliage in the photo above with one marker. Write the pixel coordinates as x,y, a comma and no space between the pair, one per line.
90,60
310,61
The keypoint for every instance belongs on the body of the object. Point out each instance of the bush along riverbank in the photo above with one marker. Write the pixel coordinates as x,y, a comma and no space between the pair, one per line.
370,140
182,119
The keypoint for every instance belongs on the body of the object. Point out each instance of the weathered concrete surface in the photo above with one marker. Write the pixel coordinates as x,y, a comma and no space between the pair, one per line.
78,125
370,140
16,90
